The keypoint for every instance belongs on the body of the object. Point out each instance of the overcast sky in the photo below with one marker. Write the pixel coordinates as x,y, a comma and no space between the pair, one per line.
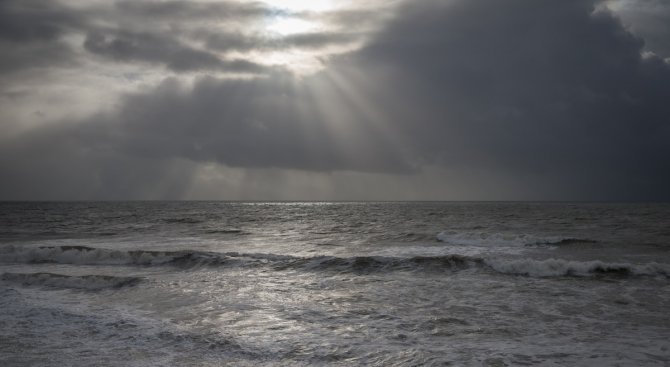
335,99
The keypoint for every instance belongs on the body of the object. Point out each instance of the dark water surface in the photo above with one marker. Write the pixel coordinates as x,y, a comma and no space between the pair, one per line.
386,284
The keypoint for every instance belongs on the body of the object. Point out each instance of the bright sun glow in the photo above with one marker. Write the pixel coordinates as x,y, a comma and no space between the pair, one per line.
287,26
293,22
289,18
302,5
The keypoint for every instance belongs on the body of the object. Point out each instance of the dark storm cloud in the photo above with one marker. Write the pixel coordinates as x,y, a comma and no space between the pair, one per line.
60,163
533,87
34,20
551,93
239,123
30,32
242,123
17,57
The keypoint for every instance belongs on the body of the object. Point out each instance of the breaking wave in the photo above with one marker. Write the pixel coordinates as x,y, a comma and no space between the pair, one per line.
227,231
85,282
570,241
507,239
184,220
369,264
81,255
559,267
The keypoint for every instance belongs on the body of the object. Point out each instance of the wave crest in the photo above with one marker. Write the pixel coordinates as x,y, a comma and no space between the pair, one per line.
81,255
85,282
560,267
506,239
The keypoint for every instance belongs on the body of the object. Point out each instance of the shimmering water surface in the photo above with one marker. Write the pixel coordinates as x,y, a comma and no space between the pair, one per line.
386,284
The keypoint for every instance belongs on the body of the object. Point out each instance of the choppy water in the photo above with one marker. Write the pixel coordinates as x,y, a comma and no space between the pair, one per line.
387,284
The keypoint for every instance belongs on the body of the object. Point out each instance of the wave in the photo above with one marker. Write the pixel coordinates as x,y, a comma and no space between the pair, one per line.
85,282
404,237
82,255
184,220
506,239
563,242
370,264
562,268
227,231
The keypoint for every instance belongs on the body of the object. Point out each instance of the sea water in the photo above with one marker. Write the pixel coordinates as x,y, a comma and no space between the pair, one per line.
348,284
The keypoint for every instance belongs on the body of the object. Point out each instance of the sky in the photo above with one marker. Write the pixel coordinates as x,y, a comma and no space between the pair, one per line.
335,100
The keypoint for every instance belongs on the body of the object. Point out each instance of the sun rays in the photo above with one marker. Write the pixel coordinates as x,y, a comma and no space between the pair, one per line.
287,27
305,34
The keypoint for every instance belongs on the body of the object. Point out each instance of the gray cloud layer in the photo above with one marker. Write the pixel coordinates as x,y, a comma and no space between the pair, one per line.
146,47
163,33
651,20
555,94
29,34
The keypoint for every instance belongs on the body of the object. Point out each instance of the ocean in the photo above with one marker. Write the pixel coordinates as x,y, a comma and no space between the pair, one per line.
342,284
